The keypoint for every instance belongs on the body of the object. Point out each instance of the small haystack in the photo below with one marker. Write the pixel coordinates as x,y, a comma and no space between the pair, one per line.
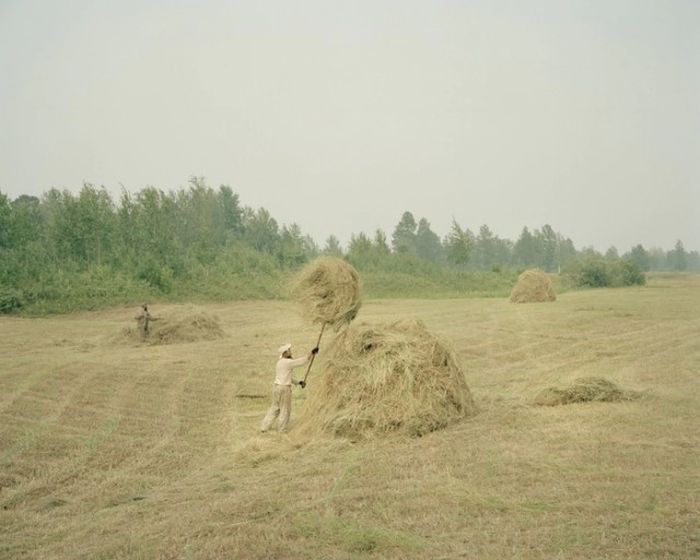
328,290
183,325
584,389
387,378
533,286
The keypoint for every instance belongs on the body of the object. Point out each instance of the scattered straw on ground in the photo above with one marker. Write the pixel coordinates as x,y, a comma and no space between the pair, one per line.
584,389
386,378
328,290
177,326
533,286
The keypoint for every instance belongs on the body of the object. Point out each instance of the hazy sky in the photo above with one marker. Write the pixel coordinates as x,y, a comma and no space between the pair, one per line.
341,115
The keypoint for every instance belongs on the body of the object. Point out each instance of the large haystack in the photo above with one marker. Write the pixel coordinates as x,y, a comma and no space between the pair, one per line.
533,286
175,326
328,291
387,378
584,389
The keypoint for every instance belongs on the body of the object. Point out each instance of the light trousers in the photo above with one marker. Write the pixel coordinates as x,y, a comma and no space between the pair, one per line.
281,408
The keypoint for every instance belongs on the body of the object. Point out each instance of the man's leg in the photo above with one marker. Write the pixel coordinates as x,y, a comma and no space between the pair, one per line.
285,403
274,410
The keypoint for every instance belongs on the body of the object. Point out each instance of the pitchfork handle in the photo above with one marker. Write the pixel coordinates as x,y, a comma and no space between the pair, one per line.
308,369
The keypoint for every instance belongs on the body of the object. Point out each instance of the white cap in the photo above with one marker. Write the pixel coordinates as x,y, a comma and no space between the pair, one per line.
282,349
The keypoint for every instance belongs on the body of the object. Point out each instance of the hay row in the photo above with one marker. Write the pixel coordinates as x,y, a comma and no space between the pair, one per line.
584,389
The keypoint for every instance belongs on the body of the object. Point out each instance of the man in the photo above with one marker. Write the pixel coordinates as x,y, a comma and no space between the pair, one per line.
142,320
282,389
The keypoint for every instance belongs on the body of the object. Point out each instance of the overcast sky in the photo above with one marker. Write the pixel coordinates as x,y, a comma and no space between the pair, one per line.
340,116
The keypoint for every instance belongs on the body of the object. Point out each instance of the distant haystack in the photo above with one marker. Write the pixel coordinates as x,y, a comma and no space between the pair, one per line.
183,325
328,290
584,389
533,286
387,378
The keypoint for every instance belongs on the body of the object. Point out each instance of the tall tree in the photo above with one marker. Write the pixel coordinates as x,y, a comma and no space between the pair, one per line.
639,255
403,239
525,250
678,258
332,247
428,244
380,242
485,249
262,231
550,249
458,246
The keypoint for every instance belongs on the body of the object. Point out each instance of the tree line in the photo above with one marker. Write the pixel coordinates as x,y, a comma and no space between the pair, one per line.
76,249
542,248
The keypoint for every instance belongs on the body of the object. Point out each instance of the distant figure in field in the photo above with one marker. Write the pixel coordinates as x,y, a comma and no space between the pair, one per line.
143,318
282,389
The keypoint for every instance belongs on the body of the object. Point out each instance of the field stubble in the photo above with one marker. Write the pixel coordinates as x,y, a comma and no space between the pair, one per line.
124,450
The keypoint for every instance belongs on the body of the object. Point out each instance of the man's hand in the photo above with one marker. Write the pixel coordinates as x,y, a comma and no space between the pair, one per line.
302,383
314,350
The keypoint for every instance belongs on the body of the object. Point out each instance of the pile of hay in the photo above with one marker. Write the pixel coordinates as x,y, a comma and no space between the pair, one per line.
387,378
184,325
328,290
584,389
533,286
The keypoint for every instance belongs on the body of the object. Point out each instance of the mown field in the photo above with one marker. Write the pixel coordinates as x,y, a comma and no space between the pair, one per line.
114,449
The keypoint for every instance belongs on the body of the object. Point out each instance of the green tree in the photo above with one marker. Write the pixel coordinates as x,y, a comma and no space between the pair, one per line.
361,251
292,247
678,258
261,231
458,246
427,242
525,250
380,243
485,249
550,249
231,211
611,254
403,239
332,247
26,220
639,255
6,240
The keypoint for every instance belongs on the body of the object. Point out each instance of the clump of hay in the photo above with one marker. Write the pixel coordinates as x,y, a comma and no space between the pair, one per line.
328,290
584,389
533,286
184,325
387,378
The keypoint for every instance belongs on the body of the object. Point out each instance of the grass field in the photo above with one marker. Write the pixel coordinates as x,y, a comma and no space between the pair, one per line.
111,449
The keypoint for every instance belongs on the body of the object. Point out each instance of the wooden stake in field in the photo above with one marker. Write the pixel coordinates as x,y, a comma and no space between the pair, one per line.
328,290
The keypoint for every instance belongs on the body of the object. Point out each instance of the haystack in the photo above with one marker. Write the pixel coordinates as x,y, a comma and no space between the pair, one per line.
584,389
184,325
533,286
387,378
328,290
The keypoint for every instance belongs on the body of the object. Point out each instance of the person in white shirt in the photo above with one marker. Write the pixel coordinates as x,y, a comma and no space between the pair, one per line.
282,389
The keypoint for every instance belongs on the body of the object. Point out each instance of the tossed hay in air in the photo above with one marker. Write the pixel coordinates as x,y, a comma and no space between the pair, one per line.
328,290
387,378
584,389
533,286
176,326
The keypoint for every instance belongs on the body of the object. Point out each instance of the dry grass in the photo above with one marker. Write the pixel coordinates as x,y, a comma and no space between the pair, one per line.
328,291
109,451
533,286
584,389
177,325
388,378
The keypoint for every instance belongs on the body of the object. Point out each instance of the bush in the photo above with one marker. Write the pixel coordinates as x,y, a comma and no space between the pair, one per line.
596,272
10,300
